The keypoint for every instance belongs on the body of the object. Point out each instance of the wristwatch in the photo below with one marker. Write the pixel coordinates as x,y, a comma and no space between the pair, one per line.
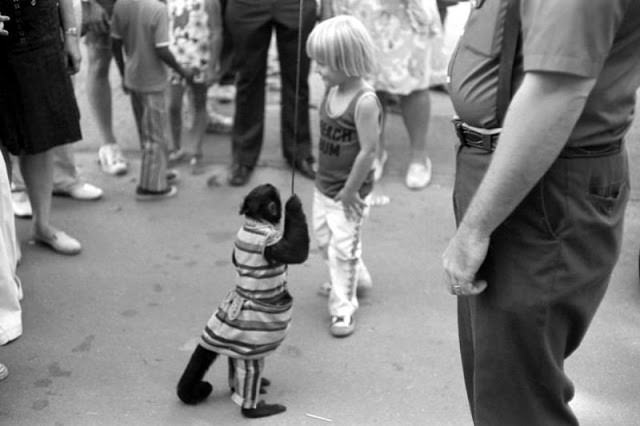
71,31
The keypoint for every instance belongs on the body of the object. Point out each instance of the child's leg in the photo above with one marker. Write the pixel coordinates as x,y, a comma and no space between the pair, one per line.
176,93
199,127
344,258
191,388
153,127
247,385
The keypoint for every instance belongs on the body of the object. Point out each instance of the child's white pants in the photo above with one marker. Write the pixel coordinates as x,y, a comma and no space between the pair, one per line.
339,240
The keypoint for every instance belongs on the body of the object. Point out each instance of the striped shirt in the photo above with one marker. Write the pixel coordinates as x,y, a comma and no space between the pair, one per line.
253,319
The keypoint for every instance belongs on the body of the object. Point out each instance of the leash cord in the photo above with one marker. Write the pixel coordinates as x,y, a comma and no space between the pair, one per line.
297,101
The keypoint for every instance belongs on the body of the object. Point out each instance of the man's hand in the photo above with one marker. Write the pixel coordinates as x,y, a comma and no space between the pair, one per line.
94,18
462,259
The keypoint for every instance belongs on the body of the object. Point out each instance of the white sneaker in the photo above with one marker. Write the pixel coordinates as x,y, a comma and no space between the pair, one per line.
223,94
342,326
219,123
111,159
80,191
21,204
419,175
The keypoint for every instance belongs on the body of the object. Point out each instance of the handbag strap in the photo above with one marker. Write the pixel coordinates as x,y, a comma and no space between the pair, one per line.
510,38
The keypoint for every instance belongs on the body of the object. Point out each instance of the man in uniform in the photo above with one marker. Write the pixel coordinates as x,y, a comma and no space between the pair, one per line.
540,193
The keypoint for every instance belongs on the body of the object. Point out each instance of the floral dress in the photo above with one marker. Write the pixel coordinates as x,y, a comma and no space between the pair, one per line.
403,31
190,34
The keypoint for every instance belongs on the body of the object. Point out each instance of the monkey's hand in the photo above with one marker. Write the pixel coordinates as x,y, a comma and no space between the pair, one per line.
293,247
293,204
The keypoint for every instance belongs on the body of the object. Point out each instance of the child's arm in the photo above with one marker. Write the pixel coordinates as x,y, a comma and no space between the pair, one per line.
167,57
293,247
116,48
367,119
215,29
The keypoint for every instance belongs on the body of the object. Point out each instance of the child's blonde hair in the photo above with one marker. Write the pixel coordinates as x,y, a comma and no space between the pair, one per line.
344,44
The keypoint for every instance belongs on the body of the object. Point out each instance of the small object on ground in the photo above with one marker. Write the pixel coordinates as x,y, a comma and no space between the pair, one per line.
313,416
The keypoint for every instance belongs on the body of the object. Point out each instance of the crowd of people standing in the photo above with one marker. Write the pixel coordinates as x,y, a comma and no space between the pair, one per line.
556,182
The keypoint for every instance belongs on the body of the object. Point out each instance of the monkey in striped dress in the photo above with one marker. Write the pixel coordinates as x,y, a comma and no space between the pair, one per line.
253,319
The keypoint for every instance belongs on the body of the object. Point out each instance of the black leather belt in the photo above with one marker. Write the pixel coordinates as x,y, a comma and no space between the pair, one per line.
487,142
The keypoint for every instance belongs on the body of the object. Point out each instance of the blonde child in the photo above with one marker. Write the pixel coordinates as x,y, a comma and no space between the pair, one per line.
350,123
195,30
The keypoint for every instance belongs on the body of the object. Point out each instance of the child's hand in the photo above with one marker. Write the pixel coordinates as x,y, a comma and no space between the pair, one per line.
352,203
189,74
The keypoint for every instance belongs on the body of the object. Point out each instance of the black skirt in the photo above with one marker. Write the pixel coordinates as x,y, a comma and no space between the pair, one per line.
38,108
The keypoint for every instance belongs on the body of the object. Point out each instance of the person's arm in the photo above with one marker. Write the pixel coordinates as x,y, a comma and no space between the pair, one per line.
367,119
215,29
167,57
537,126
3,19
293,247
326,9
116,47
161,37
94,17
71,35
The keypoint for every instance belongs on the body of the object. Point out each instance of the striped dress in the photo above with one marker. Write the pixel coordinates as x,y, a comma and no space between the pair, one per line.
253,319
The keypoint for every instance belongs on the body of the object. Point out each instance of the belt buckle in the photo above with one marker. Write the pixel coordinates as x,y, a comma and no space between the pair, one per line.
457,124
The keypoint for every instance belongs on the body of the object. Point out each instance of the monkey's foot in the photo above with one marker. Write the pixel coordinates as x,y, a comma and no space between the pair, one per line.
263,410
197,394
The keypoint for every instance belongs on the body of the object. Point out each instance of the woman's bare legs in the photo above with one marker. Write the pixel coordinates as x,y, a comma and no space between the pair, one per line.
416,112
37,171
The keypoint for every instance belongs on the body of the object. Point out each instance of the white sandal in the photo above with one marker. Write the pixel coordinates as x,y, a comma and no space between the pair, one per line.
419,175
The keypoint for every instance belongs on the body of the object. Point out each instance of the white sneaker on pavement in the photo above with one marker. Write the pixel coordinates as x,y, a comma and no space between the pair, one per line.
223,94
219,123
81,191
419,174
111,159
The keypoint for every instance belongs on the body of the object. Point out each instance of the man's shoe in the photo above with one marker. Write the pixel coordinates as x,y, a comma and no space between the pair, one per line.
342,326
219,123
223,93
80,191
111,159
147,195
239,175
21,204
305,168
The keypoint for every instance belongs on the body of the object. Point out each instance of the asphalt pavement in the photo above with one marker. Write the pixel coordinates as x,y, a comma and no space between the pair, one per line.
108,333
